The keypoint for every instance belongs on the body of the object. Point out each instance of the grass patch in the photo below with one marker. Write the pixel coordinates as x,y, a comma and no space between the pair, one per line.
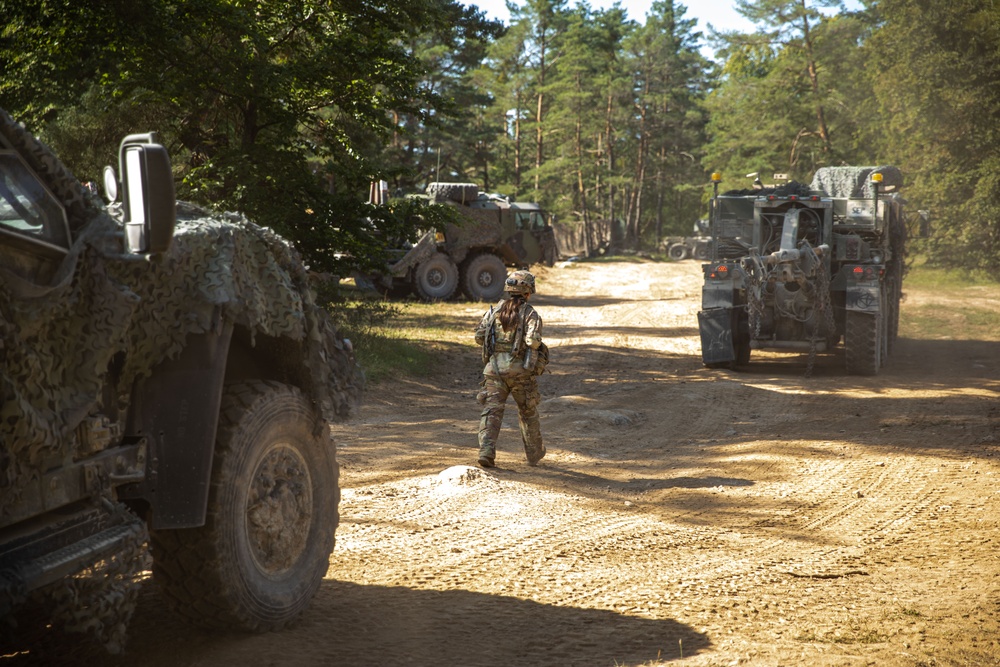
629,258
931,322
385,356
394,339
921,276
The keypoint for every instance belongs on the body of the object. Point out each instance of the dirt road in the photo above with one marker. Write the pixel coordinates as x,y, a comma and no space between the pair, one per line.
758,517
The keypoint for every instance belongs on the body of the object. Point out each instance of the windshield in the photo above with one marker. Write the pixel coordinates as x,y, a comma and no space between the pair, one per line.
27,208
530,220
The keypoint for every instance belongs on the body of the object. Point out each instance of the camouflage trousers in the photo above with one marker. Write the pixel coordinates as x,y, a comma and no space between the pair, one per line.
524,389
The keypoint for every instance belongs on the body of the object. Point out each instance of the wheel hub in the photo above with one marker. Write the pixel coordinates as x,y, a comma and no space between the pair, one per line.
279,509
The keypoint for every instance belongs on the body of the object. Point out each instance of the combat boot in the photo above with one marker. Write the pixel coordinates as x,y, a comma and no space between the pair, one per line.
535,457
487,457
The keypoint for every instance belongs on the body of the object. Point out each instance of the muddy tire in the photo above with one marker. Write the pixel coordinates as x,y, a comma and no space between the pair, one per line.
678,251
863,343
272,513
462,193
436,278
483,277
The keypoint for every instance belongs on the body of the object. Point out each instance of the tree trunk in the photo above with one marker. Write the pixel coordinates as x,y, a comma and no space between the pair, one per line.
821,128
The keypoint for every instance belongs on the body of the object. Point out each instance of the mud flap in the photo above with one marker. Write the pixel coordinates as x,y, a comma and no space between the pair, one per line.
716,328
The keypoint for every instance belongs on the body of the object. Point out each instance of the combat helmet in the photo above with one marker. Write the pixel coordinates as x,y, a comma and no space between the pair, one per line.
520,282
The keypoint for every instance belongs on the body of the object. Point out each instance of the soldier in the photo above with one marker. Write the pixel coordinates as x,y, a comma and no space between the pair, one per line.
510,333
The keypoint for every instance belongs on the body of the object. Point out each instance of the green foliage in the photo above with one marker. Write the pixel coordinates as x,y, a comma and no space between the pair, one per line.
382,348
278,109
786,102
287,109
936,77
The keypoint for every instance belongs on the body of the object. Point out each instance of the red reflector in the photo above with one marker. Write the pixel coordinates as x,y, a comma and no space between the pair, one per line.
858,269
712,275
722,268
793,197
815,197
771,198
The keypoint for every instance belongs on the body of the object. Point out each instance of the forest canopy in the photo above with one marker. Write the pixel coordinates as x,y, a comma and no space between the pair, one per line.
288,109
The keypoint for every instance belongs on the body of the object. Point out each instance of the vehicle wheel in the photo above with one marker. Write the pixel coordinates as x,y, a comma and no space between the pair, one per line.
457,192
483,277
863,343
702,252
272,514
677,252
436,278
741,339
892,304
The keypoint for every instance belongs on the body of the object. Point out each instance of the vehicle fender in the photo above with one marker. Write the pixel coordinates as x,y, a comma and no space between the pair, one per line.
421,250
717,295
176,410
863,297
716,329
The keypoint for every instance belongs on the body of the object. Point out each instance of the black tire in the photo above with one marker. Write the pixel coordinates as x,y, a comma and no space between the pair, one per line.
863,343
462,193
678,251
249,567
436,278
892,303
702,251
483,277
885,312
741,338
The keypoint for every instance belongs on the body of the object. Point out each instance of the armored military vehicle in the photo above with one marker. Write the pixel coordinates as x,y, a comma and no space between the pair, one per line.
800,268
167,381
472,257
683,247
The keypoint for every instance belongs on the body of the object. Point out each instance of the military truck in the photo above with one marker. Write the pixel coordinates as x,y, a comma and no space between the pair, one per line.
167,384
472,257
799,268
683,247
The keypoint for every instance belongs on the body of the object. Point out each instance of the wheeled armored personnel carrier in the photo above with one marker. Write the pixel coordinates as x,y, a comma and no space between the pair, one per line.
167,384
472,257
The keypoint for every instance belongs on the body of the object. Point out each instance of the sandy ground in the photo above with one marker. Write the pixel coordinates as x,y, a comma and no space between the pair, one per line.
683,515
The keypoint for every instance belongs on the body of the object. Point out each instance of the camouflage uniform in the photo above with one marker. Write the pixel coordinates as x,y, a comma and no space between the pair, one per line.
505,374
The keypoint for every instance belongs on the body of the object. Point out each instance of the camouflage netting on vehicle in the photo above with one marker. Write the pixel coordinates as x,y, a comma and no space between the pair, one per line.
853,182
110,317
789,188
481,230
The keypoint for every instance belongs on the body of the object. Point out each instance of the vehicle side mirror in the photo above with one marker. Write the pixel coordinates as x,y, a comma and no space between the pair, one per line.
147,194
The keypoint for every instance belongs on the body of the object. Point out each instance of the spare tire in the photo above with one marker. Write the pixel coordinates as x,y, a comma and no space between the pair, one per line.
462,193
